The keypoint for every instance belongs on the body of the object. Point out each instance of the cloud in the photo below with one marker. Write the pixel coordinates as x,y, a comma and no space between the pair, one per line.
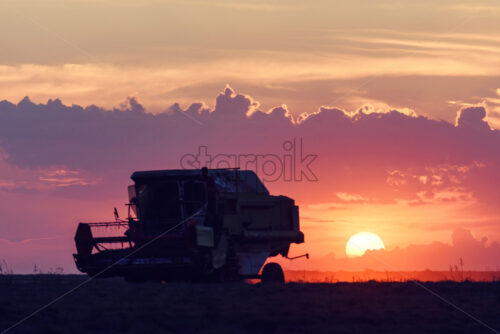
472,118
25,241
377,154
237,5
306,84
23,255
475,254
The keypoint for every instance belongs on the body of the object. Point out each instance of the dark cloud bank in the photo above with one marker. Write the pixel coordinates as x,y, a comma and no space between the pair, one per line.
357,152
465,252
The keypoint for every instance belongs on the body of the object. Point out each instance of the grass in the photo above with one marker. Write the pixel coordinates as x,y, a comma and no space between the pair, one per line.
6,273
114,306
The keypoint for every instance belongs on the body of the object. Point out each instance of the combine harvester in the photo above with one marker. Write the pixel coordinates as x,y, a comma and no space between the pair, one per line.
193,225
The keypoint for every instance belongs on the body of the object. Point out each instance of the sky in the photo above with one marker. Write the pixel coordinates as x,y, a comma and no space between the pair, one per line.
395,105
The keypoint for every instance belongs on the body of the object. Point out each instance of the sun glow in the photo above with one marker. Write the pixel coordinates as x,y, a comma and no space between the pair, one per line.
359,243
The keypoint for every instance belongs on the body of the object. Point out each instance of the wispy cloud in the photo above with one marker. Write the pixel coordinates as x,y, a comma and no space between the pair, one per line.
27,240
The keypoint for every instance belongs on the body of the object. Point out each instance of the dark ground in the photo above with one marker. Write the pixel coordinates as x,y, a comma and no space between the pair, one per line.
114,306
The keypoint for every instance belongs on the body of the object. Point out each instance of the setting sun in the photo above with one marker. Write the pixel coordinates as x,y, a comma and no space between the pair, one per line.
359,243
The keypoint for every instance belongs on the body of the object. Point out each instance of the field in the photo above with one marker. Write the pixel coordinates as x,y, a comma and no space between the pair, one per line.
114,306
390,276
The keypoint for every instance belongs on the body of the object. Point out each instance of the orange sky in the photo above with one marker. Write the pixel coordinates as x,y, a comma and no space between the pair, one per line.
404,175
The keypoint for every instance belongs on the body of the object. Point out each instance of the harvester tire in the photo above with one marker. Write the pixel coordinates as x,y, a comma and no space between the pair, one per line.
272,273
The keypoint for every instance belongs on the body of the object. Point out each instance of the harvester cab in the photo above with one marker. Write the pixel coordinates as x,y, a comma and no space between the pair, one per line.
192,225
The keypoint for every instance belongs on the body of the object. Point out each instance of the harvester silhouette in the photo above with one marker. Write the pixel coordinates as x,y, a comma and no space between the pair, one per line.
193,225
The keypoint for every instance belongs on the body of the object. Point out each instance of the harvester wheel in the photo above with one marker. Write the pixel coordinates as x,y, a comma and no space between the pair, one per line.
272,273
